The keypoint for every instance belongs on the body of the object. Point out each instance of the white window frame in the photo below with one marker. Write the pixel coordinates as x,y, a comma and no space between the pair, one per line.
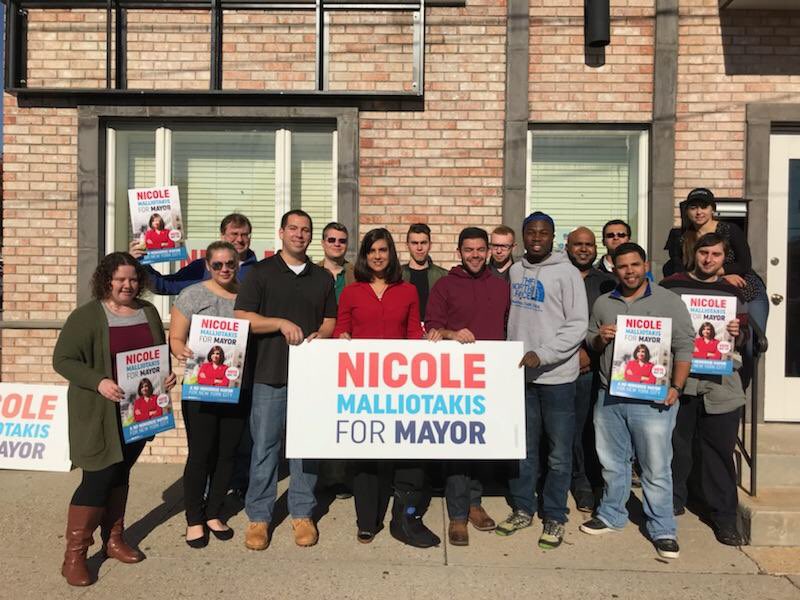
643,193
163,176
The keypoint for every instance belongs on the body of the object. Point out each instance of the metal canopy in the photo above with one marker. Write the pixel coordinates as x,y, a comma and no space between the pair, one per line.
759,5
116,54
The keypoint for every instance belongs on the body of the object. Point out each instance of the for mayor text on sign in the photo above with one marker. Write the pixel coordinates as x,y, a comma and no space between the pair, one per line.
405,399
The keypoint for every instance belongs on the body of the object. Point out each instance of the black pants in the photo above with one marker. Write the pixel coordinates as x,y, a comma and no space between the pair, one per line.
213,432
586,470
96,486
372,485
702,460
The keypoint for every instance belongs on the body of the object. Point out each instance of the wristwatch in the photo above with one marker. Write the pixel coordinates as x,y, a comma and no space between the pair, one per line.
677,388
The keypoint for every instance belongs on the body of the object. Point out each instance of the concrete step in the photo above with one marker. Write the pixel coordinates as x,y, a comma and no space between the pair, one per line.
778,455
773,517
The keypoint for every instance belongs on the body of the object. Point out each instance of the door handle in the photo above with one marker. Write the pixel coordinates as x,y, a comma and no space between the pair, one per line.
776,299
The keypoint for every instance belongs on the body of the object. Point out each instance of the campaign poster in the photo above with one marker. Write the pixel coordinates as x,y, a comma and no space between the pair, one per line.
146,409
642,361
713,345
404,399
214,373
157,223
34,428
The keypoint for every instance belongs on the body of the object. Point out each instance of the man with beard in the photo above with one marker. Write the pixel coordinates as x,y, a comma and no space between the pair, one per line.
624,425
582,252
467,304
548,314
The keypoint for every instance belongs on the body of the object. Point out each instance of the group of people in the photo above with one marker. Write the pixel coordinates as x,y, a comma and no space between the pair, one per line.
561,305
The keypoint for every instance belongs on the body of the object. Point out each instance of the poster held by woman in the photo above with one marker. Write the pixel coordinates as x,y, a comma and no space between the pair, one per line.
157,223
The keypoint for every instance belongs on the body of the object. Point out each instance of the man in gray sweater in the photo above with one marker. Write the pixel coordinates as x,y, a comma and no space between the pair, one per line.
624,426
548,313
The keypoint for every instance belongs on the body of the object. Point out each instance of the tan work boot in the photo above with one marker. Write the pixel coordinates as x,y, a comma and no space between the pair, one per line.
256,537
305,532
480,519
457,532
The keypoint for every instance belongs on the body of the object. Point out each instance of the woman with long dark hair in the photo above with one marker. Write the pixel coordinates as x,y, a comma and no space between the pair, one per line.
380,305
115,320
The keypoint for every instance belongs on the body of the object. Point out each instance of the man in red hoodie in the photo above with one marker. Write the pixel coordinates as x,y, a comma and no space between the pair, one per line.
467,304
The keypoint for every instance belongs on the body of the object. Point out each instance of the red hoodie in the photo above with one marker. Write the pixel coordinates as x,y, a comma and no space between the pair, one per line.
479,303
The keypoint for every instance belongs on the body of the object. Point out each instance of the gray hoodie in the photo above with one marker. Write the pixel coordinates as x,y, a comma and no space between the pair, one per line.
548,314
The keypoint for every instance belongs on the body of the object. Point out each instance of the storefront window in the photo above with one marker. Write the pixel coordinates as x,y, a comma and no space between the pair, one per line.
588,177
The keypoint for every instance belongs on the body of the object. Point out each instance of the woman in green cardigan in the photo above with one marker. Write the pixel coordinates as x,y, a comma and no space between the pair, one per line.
116,320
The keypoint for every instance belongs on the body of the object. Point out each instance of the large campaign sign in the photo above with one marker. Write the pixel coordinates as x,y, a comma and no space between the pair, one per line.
34,433
642,360
405,399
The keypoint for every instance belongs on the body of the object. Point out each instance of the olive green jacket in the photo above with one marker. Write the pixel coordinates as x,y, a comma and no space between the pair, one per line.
435,273
82,356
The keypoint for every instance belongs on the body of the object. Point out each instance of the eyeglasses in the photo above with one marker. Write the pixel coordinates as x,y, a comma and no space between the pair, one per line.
502,246
619,235
218,264
333,240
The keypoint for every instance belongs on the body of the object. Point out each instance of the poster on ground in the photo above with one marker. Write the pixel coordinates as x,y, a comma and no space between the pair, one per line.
642,361
219,345
34,429
157,223
713,345
403,399
146,409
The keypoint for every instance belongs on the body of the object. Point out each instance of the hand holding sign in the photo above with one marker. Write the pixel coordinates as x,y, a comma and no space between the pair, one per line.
110,390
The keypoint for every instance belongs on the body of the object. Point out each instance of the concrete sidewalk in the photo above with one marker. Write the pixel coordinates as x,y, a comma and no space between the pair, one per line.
623,565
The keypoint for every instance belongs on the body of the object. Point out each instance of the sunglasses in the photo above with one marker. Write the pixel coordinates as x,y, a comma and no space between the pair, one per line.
218,264
619,235
333,240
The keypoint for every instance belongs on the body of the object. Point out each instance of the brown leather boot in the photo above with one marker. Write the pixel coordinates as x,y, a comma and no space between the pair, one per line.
113,525
81,523
457,532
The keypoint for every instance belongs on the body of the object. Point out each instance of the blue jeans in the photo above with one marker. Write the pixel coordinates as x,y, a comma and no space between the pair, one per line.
267,426
622,429
549,411
584,458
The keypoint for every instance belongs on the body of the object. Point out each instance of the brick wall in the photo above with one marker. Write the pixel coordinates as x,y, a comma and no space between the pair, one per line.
563,88
725,62
442,165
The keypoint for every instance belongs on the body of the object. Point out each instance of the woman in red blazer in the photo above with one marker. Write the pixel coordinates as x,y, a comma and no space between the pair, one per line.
639,369
380,305
145,406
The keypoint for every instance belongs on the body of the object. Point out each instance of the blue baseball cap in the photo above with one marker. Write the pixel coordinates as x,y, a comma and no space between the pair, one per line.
539,216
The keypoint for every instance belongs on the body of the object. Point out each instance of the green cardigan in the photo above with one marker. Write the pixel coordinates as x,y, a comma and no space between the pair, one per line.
82,356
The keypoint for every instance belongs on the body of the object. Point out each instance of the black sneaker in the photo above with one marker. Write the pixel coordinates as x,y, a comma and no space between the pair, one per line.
728,536
584,501
667,548
595,526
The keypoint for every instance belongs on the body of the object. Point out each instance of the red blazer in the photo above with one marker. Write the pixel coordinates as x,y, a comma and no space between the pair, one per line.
706,349
393,317
211,374
158,240
145,408
639,373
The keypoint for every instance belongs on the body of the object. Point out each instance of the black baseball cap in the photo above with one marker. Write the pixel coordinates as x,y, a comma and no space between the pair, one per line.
700,197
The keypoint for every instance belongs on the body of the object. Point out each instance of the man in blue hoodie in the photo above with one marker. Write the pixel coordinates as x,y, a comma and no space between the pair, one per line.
234,228
549,314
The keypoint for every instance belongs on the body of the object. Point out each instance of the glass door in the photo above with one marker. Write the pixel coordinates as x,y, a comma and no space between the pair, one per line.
783,280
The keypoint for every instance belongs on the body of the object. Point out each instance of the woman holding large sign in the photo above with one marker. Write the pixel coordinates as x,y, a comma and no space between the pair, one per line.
379,305
115,321
213,430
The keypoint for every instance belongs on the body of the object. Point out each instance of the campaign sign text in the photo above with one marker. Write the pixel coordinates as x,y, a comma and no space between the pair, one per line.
642,361
214,373
713,345
157,223
34,431
146,409
399,399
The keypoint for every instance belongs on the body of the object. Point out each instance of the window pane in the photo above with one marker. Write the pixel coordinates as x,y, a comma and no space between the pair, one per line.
135,167
312,187
585,178
220,172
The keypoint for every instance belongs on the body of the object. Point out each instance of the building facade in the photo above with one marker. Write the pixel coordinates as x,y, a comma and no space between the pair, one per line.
451,112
